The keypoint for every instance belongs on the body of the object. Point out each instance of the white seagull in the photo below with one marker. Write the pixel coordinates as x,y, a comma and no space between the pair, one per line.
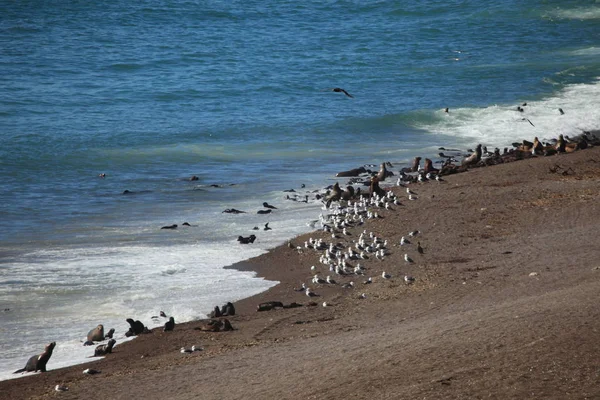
407,258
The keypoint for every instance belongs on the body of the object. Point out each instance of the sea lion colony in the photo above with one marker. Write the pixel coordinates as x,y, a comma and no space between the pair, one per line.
348,255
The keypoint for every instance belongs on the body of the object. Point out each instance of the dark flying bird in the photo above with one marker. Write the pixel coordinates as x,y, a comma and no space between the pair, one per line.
340,90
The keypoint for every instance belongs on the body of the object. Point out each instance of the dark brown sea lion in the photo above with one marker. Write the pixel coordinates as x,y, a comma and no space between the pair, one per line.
216,313
228,309
264,211
340,90
474,158
269,305
104,349
429,167
38,362
352,172
135,328
348,194
246,240
110,334
375,189
334,195
415,166
174,226
169,325
96,334
226,325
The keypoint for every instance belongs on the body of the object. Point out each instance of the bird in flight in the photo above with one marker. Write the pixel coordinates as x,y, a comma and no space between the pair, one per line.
340,90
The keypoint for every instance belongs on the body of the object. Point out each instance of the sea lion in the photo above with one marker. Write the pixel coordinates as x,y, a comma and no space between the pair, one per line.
38,362
537,148
415,165
334,195
228,309
383,173
104,349
169,325
269,305
429,167
216,313
246,240
348,194
351,172
96,334
226,325
135,328
174,226
264,211
375,189
233,211
110,333
561,144
267,205
474,158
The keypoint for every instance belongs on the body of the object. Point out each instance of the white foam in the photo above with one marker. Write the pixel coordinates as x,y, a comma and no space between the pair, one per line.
500,125
65,292
579,13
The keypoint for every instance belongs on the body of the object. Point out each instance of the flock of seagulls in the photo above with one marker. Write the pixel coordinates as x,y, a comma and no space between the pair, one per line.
348,256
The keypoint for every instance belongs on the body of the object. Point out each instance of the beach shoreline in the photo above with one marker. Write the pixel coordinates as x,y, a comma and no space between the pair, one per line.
491,261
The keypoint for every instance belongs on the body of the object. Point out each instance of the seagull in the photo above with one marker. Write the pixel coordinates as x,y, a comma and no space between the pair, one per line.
413,233
368,281
419,248
331,281
90,371
385,276
348,285
340,90
408,191
404,241
310,293
318,280
301,288
194,348
407,258
439,178
184,350
61,388
411,197
409,279
362,296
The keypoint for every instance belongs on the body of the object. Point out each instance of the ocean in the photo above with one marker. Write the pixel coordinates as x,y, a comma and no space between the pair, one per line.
238,94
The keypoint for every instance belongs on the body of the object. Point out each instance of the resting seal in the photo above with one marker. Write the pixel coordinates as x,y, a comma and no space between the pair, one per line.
474,158
96,334
352,172
228,309
104,349
38,362
169,325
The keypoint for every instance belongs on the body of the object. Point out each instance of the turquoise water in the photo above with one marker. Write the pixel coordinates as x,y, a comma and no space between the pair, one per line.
236,93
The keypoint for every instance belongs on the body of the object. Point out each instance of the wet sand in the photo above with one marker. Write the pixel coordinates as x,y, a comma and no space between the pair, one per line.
504,305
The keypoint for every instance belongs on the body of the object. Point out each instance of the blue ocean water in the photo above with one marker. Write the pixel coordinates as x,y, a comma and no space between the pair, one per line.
238,94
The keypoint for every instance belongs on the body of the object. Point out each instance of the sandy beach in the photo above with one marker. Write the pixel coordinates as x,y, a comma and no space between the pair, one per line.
504,306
